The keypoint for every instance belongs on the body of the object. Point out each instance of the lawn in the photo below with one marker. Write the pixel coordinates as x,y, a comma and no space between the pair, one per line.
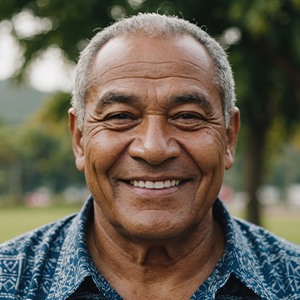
284,226
15,221
282,222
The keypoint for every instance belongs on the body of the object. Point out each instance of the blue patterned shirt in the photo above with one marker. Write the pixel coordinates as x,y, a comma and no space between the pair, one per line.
52,262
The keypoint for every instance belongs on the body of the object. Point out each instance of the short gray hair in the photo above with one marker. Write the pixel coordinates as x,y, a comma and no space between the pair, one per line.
153,25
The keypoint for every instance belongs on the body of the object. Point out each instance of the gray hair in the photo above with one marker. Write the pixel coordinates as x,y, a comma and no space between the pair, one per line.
153,25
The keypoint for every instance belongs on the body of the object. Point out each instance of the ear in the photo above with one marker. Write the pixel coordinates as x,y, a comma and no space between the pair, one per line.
231,137
77,141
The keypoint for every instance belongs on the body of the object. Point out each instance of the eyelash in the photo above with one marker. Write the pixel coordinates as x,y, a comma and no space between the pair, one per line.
124,116
182,120
188,116
120,116
187,120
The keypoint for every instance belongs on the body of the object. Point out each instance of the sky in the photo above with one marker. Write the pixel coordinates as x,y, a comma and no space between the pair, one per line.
49,72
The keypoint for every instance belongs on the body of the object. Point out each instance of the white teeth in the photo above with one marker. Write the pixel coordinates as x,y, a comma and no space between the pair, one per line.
167,183
154,184
159,185
149,185
141,184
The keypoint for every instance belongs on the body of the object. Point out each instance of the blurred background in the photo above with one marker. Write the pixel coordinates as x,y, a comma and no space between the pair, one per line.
39,45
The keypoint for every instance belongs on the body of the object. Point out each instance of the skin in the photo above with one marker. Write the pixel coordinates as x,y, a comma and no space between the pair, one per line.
154,113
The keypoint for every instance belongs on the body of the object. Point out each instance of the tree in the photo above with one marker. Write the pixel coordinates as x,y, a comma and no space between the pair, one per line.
263,37
47,150
10,164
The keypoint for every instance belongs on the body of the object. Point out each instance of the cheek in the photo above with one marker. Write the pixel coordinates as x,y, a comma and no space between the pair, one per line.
103,150
209,157
208,151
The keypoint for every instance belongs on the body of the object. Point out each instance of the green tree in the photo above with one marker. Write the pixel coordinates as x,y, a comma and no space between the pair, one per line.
11,167
48,158
263,37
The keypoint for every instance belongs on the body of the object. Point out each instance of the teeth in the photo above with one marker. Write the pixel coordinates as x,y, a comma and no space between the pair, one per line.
154,184
149,185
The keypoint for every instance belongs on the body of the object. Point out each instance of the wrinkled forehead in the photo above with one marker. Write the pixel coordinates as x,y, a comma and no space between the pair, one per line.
151,57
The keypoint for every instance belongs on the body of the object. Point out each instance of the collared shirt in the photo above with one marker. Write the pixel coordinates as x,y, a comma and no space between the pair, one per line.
52,262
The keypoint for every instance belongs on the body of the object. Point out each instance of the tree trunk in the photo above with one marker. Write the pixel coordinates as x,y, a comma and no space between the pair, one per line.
255,144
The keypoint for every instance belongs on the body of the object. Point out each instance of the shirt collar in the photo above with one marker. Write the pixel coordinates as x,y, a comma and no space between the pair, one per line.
239,257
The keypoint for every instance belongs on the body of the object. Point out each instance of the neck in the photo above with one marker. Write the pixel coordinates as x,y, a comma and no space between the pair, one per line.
189,257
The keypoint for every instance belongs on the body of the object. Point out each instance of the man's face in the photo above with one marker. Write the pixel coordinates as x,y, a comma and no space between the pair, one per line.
154,145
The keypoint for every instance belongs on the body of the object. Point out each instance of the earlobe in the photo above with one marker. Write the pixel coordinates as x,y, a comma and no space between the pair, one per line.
231,137
77,142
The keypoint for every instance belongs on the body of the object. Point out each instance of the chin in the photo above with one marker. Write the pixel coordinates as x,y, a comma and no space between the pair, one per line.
150,235
153,229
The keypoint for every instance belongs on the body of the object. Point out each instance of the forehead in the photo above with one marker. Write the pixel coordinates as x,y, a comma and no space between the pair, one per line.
138,59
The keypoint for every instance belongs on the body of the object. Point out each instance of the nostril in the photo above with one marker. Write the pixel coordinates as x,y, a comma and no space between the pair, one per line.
154,151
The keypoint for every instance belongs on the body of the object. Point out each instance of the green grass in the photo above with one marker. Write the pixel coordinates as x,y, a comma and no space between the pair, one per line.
18,220
281,222
287,227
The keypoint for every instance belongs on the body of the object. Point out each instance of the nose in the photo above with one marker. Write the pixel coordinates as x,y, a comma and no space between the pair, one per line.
153,142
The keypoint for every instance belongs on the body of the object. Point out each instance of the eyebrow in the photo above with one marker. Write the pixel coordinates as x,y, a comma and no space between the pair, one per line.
117,97
196,98
114,97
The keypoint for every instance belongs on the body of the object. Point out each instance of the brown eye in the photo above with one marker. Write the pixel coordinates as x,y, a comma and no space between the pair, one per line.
120,116
188,118
121,121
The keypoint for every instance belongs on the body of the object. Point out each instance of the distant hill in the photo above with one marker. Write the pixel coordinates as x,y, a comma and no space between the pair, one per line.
17,103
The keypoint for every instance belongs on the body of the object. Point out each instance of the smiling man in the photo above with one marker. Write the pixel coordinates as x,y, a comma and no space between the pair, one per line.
154,126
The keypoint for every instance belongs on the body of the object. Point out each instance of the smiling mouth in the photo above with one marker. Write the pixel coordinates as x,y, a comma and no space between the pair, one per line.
155,184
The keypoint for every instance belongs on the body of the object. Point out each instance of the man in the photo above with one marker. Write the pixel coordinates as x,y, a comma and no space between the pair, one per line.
153,126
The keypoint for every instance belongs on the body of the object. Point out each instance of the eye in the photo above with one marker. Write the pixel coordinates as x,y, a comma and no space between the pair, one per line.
120,121
187,117
120,116
187,120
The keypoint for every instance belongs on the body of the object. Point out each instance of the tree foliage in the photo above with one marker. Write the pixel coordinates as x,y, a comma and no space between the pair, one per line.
47,150
262,38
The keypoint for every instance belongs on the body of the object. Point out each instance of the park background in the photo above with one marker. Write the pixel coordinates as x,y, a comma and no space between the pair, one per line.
40,41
